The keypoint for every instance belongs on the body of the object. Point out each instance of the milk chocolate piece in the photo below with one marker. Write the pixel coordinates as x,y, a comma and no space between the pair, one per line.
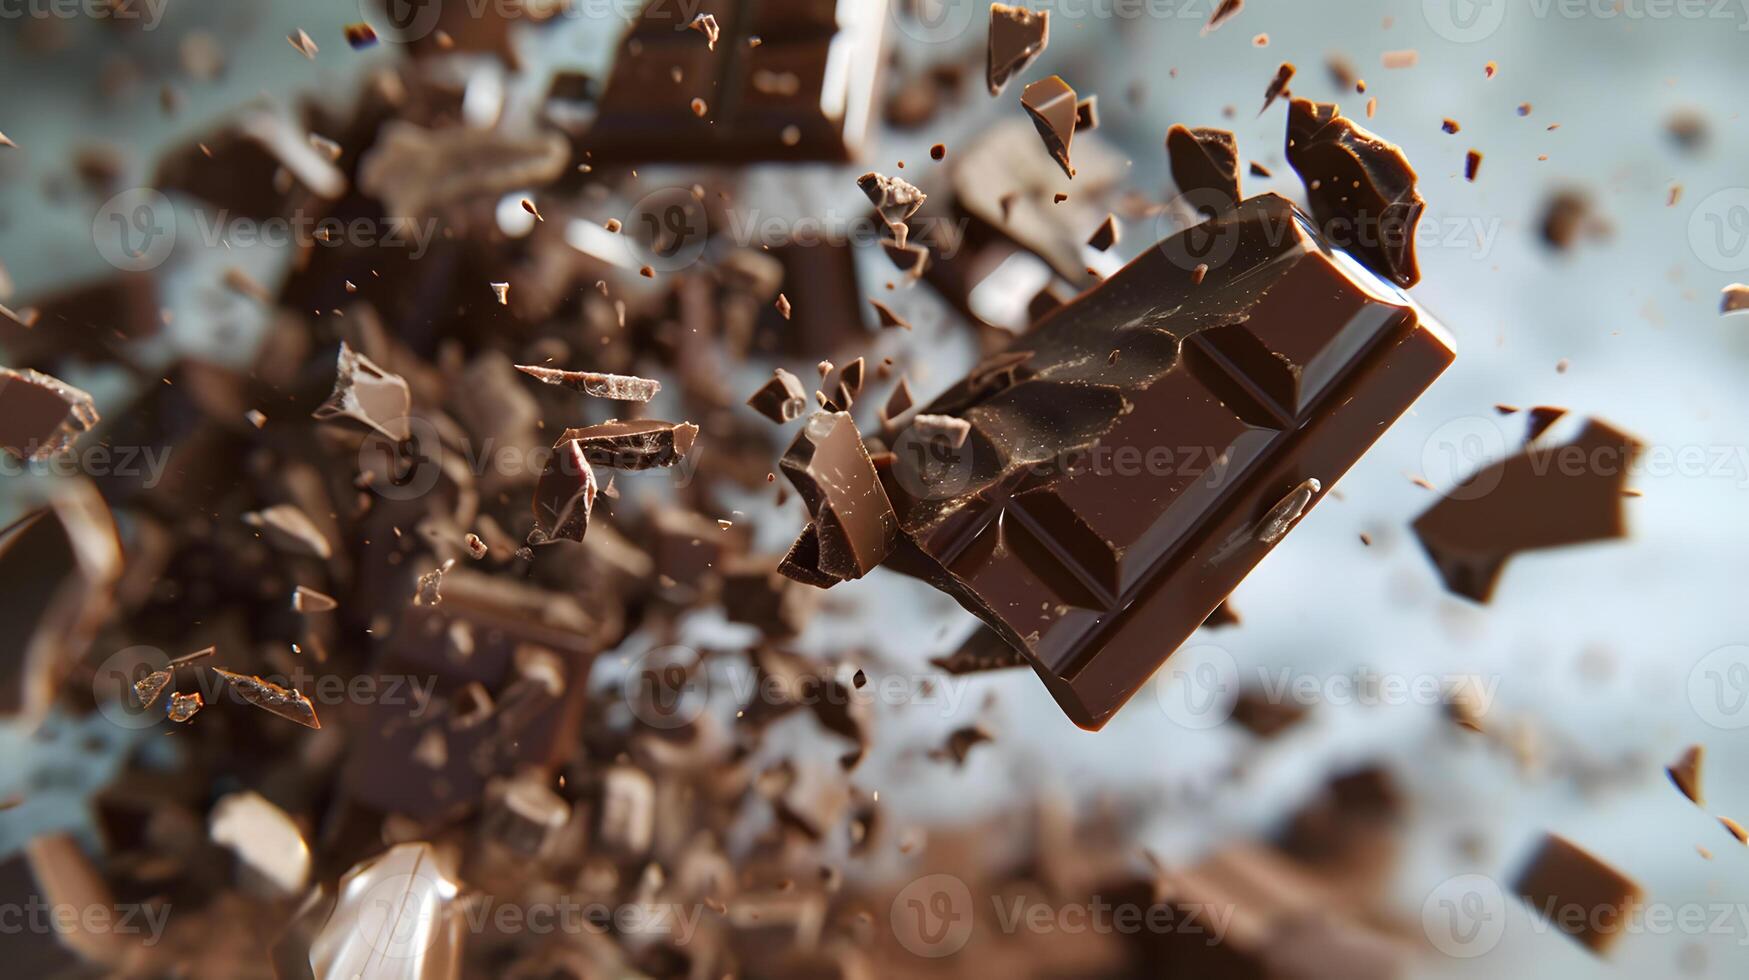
1277,85
41,416
1578,894
638,445
1281,367
854,524
1051,104
1105,236
366,393
618,387
1017,37
1087,114
1734,298
782,399
1205,166
1225,12
1685,773
290,530
895,200
1539,418
1544,497
565,494
268,696
1361,188
804,91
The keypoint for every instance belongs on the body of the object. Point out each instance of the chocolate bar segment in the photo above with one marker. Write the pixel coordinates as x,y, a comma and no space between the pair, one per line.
1100,509
804,90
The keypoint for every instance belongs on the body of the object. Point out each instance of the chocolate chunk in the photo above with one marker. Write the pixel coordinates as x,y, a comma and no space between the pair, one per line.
41,416
1450,126
1017,37
1105,236
1284,364
1540,418
1544,497
268,696
1223,13
960,743
1277,85
618,387
1051,104
912,258
1734,299
1472,165
706,24
839,388
1685,773
565,495
421,928
418,172
1265,716
308,600
639,445
887,318
756,593
1578,894
782,399
366,393
792,81
360,36
898,402
1205,166
1087,114
1361,188
290,530
895,200
181,708
1567,217
854,521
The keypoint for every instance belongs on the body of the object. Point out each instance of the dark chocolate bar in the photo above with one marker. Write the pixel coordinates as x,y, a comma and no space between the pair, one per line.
1145,445
789,80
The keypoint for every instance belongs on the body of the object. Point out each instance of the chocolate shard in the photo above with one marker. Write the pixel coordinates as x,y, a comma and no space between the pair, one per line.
1539,418
1286,362
1205,166
308,600
618,387
1277,85
268,696
419,931
895,200
366,393
181,708
418,172
960,743
1685,773
1544,497
898,402
41,416
149,688
1017,37
1087,114
1577,894
564,496
1051,104
1223,13
802,561
635,445
887,318
1361,188
782,399
1105,236
290,530
831,470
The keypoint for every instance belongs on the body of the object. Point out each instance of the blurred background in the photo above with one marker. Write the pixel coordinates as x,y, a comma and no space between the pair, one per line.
1600,663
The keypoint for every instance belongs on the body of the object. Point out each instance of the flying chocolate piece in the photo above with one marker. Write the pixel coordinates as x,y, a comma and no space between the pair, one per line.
1051,104
1205,166
1281,367
636,445
1017,37
397,914
1685,773
366,393
854,525
1578,894
268,696
565,493
1544,497
41,416
787,81
1277,85
1087,114
1105,236
782,399
895,200
1361,188
618,387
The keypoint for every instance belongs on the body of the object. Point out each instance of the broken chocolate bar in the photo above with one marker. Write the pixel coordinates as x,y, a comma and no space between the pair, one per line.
1205,166
565,495
1361,188
1544,497
1017,37
789,81
268,696
854,526
1281,367
639,445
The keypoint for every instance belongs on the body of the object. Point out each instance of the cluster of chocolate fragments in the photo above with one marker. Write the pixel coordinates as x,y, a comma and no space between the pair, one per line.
321,517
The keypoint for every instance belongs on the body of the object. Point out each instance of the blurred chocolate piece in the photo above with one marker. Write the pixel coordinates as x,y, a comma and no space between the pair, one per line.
1017,37
565,495
887,319
48,878
1051,104
755,592
1264,716
290,530
268,844
637,445
366,393
1286,362
1105,236
237,169
1578,894
270,697
1539,418
1569,216
524,815
181,708
1205,166
41,416
854,523
782,399
398,916
1087,114
1223,13
617,387
1734,299
1685,773
1361,188
1544,497
789,81
1277,85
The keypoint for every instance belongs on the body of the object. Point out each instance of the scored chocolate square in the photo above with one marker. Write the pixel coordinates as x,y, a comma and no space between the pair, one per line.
788,80
1144,447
